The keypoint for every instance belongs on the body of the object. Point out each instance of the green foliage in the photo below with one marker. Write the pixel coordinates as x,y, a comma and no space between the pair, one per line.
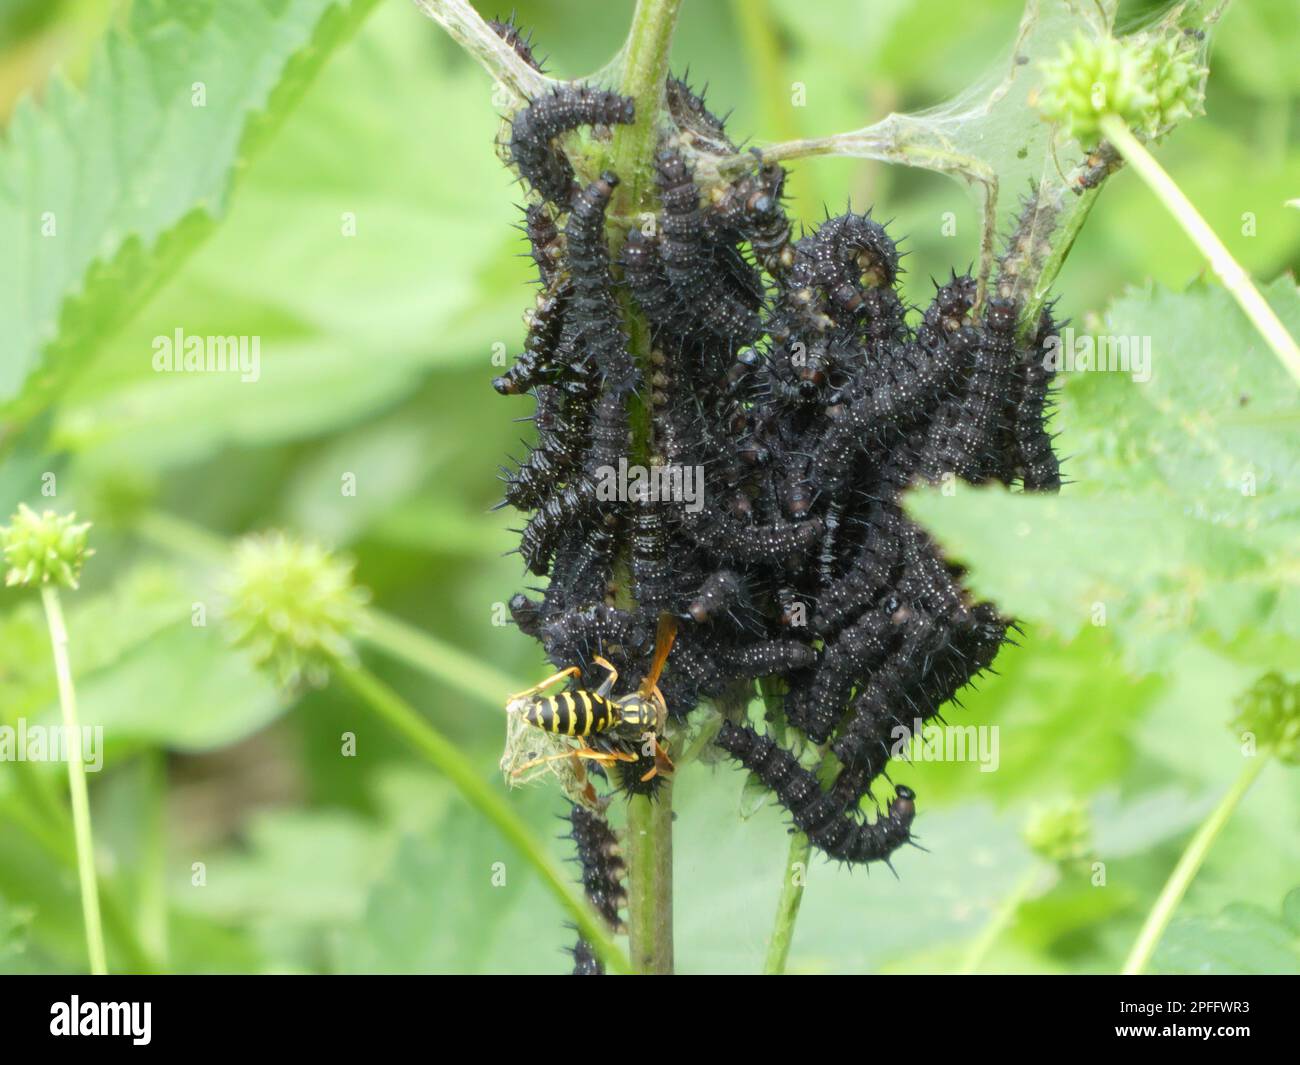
1242,939
112,185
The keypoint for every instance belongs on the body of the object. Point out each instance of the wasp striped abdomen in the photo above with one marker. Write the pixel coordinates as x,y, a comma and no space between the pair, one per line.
577,713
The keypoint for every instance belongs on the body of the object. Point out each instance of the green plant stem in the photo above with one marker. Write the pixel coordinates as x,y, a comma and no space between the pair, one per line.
1188,866
1230,272
648,848
645,72
1061,246
648,845
444,756
76,783
439,660
787,907
1000,922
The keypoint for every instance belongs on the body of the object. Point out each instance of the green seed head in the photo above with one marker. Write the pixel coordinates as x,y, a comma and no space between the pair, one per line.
1175,78
45,548
1093,78
1060,833
1270,711
293,606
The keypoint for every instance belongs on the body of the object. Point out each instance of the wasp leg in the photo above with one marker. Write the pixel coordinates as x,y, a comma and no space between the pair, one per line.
607,685
604,757
663,764
554,678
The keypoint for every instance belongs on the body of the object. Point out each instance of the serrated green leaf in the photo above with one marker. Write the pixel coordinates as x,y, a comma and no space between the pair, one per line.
359,270
1242,939
103,192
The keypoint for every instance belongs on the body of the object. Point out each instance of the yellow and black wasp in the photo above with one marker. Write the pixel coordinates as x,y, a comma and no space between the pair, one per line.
613,729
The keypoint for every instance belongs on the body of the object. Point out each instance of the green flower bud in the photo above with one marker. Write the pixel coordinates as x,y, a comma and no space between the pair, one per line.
1061,833
48,548
294,606
1175,79
1270,711
1093,78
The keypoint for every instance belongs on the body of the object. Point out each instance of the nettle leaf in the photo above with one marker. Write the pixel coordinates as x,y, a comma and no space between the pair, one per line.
1242,939
103,192
357,272
1184,506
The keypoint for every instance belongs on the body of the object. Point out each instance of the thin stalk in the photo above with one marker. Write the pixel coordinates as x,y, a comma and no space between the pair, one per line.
1230,272
76,783
787,907
1188,866
1062,244
439,660
445,757
648,848
1000,922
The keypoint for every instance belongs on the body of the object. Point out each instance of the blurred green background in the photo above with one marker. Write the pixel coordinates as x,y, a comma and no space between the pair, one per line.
376,357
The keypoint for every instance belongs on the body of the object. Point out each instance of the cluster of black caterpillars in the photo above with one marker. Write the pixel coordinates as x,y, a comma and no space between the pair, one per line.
791,373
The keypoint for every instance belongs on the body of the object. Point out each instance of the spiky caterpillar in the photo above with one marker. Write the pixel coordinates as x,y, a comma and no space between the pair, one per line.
853,654
967,435
562,422
544,242
749,544
829,827
690,261
534,128
936,658
1035,460
542,354
603,872
514,36
594,308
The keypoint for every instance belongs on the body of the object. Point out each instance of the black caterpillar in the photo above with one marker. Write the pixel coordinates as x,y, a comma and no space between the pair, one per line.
789,378
602,868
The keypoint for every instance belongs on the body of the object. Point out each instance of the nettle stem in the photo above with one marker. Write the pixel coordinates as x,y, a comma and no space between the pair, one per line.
1230,272
787,907
1188,866
76,783
649,842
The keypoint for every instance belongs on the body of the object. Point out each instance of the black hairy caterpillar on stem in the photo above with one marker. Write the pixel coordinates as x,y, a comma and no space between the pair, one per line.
815,812
534,128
